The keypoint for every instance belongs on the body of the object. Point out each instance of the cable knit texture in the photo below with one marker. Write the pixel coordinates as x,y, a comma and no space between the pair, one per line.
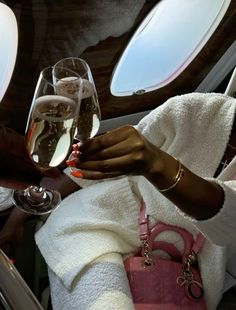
102,217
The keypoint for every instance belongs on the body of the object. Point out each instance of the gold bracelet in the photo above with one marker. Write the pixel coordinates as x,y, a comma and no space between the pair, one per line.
176,179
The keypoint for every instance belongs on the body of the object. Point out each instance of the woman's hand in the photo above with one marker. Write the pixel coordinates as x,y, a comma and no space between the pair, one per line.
120,151
63,184
126,151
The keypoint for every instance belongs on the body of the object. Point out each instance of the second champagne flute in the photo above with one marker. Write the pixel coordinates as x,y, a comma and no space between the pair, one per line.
89,115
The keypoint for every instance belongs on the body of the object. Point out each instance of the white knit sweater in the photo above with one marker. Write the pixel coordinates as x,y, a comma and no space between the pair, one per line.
102,218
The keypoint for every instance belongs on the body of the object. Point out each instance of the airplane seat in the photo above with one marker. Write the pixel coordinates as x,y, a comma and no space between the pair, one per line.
14,292
231,87
231,91
41,283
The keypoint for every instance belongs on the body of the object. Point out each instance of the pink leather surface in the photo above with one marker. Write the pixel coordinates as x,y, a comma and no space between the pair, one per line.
156,288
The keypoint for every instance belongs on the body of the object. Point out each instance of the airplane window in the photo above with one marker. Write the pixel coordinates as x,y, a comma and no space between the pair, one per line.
166,42
8,53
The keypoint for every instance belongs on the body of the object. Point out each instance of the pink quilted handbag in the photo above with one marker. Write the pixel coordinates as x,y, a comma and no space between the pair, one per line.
165,284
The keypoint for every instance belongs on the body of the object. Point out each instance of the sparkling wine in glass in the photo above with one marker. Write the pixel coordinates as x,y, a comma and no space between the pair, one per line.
49,136
89,115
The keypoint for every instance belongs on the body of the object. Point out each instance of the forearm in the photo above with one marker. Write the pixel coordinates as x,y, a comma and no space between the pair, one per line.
197,197
67,186
63,184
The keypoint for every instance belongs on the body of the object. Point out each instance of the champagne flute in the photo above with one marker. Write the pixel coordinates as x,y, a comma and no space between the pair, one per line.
89,115
49,137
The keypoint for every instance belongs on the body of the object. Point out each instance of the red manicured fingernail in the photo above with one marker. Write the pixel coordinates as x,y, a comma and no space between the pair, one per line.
76,174
75,153
75,147
71,163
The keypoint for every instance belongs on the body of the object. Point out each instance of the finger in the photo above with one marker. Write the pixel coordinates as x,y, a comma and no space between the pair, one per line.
116,150
96,175
76,146
124,163
106,140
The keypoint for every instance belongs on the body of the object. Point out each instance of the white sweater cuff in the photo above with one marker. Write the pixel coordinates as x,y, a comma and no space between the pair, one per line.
221,228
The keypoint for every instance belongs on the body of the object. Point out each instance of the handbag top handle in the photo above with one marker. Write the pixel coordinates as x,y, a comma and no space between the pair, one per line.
147,233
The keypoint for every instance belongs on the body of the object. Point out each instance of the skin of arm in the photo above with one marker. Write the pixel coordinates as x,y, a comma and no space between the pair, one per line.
126,151
194,195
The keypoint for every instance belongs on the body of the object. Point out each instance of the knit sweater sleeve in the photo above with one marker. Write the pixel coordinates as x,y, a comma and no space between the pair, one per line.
168,124
221,228
158,126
